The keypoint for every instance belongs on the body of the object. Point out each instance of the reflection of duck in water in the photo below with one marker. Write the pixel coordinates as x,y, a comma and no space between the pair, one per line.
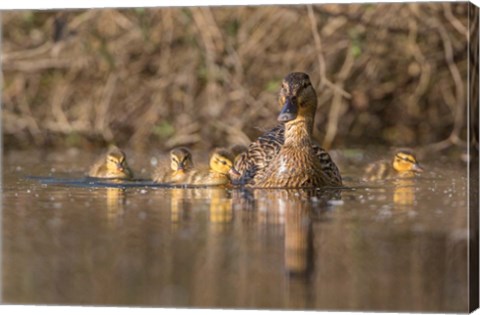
219,199
285,156
180,163
404,192
293,210
112,165
404,164
115,203
178,205
220,205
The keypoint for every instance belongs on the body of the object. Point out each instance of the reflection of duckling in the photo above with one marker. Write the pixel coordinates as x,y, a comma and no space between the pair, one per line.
115,203
220,206
221,168
286,156
178,205
404,192
404,165
111,165
180,162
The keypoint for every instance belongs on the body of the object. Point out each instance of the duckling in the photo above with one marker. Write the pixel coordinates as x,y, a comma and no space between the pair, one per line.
286,156
404,164
112,165
180,163
221,168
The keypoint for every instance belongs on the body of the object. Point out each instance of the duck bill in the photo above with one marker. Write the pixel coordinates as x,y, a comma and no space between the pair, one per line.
417,168
289,111
233,172
181,167
120,168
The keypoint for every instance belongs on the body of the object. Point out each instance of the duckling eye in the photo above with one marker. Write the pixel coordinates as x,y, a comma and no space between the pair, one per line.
221,162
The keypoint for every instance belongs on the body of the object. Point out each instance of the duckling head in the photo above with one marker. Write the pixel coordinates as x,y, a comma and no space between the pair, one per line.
405,161
297,98
181,159
116,161
221,162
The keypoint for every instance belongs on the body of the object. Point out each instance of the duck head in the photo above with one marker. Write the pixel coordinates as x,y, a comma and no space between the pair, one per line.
297,98
405,161
116,161
221,162
181,159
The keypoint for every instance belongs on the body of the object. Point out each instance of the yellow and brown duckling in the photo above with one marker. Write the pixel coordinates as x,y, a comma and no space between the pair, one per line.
181,164
286,156
404,164
113,165
220,171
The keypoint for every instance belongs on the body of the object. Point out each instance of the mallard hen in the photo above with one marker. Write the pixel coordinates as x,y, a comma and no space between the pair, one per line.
286,156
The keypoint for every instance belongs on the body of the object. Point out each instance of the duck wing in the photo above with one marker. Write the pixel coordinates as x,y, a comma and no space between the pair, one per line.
328,166
252,163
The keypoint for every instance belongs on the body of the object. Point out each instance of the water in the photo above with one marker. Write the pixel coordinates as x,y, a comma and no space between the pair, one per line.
398,245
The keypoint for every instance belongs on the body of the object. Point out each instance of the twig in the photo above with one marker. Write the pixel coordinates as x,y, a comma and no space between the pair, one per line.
337,102
320,58
454,137
102,116
459,27
31,66
426,69
26,53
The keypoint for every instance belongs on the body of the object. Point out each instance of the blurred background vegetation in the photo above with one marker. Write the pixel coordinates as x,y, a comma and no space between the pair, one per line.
388,74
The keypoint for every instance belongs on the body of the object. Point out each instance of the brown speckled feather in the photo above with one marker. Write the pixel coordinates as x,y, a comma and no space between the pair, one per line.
253,163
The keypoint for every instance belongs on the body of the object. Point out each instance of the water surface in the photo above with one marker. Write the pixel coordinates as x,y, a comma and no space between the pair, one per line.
396,245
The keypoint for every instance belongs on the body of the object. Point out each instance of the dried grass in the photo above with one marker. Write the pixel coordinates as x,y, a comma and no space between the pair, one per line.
385,73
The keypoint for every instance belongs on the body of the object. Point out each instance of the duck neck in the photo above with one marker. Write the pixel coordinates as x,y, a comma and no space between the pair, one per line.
298,132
